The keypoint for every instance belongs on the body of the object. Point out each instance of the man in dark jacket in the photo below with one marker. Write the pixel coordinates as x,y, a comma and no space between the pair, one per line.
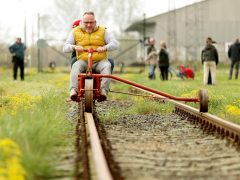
17,51
210,60
234,55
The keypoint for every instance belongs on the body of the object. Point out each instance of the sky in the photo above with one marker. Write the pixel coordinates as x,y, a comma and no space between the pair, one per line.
13,13
155,7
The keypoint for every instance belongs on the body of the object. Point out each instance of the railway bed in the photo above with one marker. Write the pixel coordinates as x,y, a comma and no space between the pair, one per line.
159,146
167,146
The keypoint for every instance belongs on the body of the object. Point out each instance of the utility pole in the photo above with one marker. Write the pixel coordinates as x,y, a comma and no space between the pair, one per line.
38,48
25,31
193,30
172,42
143,43
25,41
144,34
32,48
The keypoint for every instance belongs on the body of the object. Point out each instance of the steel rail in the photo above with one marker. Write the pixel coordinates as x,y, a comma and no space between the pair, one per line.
102,169
208,120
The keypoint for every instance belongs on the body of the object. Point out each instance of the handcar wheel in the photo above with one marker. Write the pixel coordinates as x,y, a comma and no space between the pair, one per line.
88,95
203,97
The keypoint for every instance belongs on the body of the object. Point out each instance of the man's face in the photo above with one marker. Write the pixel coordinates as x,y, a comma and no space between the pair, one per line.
209,42
19,40
89,22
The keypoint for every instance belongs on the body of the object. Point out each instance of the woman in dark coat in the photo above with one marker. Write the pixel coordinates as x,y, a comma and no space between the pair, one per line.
163,62
209,58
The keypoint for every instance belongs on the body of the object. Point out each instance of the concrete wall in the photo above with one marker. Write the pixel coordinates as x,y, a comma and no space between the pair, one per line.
218,19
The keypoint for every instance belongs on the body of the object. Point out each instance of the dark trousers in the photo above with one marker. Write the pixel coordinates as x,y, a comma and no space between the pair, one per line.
164,72
209,78
236,64
18,62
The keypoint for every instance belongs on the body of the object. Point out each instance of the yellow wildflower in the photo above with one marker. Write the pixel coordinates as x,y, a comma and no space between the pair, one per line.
12,103
9,148
10,166
233,110
192,93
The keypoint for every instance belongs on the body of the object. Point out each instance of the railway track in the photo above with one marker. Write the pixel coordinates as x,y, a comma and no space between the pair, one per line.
207,121
159,146
167,146
94,159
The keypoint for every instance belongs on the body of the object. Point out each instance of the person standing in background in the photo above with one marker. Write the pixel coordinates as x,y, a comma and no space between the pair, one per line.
151,47
151,58
17,50
209,59
234,56
163,62
152,61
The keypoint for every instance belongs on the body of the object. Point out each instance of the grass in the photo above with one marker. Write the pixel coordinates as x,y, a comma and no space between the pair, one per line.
32,116
33,123
143,106
224,99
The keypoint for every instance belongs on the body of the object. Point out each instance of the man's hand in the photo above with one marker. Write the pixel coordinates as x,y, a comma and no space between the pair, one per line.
78,48
101,49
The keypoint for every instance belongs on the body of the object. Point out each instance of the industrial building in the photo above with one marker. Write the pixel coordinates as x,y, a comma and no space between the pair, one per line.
185,29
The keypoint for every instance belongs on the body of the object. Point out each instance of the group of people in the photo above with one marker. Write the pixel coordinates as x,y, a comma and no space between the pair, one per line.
160,59
210,60
86,33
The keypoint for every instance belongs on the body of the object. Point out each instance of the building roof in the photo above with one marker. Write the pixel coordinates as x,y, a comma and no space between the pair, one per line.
138,25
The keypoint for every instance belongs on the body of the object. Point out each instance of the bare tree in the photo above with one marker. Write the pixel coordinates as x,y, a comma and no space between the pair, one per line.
44,26
126,12
65,12
117,13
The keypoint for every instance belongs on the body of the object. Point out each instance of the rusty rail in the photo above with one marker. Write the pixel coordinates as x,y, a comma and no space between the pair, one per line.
102,169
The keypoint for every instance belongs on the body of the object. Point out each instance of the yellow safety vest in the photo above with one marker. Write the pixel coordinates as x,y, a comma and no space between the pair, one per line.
90,40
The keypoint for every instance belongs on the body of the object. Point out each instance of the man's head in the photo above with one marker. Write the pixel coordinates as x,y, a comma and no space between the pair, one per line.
151,41
19,40
210,41
237,41
89,22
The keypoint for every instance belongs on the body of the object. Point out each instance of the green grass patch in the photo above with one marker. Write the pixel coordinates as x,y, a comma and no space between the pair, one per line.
111,115
32,112
222,96
34,117
147,106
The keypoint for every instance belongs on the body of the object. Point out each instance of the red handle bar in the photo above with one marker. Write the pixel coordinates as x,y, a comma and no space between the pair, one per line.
90,50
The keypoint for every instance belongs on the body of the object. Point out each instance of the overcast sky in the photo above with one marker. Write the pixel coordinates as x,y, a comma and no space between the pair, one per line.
13,13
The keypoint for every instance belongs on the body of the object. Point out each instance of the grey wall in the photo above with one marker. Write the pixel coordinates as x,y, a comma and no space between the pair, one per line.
218,19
